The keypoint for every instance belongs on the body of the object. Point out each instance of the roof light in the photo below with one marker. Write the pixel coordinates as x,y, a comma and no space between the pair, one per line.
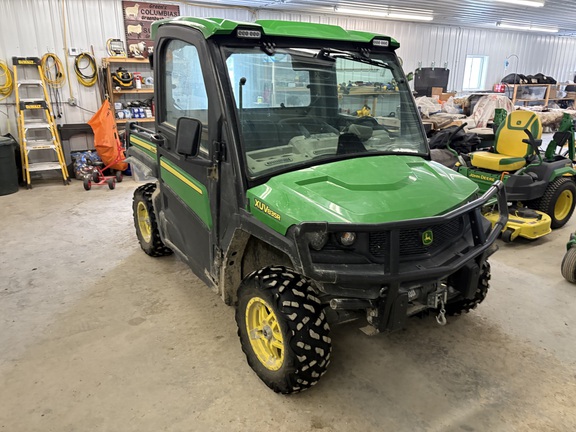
526,27
381,43
386,12
532,3
249,34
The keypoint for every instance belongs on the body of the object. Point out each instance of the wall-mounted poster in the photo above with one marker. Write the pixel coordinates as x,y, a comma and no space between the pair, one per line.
138,18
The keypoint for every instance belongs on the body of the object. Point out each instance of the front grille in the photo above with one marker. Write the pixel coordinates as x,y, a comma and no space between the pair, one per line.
379,243
411,239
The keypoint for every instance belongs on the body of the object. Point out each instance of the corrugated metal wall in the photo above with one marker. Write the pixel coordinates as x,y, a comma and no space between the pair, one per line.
33,27
427,44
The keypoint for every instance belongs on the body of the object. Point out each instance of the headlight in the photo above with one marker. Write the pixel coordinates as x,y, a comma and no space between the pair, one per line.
346,238
317,240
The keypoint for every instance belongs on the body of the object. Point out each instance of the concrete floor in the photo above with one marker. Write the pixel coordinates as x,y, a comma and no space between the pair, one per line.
97,336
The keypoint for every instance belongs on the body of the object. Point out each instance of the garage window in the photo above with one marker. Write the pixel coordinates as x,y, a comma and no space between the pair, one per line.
475,72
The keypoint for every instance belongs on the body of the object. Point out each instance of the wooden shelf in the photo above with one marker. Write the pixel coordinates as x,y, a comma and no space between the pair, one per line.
142,120
134,91
367,94
370,93
126,95
124,60
289,89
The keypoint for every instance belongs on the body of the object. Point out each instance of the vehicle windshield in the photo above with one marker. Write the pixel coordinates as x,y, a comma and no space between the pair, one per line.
299,107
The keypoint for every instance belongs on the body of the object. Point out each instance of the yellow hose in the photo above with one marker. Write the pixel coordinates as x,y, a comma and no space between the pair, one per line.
8,86
55,79
84,79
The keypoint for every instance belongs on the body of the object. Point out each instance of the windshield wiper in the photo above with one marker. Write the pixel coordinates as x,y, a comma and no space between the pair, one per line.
334,54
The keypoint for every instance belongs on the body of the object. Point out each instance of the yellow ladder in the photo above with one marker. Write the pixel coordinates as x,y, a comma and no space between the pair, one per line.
36,125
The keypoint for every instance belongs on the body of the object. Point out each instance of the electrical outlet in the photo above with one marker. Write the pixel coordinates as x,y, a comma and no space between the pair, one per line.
72,101
73,51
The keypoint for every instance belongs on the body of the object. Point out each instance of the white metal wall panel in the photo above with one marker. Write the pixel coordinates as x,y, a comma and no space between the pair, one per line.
33,27
427,43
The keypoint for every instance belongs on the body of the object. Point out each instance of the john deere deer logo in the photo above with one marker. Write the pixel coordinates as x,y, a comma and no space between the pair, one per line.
427,237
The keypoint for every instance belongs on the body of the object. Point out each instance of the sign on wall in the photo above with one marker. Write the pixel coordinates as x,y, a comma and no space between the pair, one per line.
138,18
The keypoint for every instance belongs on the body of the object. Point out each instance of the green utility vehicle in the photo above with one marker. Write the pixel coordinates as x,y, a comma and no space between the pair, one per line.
293,208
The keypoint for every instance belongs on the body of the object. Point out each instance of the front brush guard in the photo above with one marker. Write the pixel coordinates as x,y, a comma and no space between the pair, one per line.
374,273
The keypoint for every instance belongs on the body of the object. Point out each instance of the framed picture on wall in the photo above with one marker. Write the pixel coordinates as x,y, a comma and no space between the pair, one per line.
138,19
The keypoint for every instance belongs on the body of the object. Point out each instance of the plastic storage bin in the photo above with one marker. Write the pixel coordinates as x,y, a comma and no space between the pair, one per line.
8,169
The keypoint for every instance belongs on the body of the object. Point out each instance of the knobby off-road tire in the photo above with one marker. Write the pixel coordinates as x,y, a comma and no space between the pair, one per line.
145,222
569,265
558,201
289,345
460,305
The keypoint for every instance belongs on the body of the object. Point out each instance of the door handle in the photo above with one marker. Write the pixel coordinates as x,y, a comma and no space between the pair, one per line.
158,140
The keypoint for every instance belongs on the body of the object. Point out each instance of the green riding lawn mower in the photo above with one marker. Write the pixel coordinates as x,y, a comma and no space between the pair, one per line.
540,189
569,262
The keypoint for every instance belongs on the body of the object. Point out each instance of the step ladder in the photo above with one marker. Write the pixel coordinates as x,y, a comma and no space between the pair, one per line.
39,139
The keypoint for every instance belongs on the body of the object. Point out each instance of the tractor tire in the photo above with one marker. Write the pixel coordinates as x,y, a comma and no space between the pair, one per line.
460,305
569,265
558,201
145,222
283,329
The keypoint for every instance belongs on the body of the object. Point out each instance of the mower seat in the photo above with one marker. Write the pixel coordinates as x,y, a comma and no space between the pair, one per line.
510,152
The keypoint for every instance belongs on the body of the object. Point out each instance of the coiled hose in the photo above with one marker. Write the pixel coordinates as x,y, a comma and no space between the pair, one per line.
8,86
86,79
53,70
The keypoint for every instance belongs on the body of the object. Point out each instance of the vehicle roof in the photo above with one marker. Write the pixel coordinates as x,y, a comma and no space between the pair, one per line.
220,26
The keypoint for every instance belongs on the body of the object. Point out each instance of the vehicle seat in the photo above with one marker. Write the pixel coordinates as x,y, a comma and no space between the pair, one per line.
510,152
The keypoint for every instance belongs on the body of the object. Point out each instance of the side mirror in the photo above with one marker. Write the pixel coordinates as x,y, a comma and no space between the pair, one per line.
188,136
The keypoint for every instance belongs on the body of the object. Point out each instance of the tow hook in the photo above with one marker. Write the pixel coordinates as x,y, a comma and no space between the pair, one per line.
441,317
437,300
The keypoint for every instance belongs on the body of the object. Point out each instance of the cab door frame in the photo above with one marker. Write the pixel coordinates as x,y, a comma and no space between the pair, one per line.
188,184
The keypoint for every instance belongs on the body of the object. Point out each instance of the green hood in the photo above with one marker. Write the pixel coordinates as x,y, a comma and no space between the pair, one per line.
367,190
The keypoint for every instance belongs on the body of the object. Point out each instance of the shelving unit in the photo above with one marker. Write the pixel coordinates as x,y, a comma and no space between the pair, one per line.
111,64
381,102
545,93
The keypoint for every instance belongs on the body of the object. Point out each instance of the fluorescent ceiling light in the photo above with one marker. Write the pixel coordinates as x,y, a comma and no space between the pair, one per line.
384,13
526,27
533,3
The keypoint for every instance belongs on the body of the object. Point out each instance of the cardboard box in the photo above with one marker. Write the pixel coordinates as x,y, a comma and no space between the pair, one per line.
437,92
445,96
553,93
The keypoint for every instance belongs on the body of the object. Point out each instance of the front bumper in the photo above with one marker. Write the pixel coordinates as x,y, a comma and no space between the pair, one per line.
394,268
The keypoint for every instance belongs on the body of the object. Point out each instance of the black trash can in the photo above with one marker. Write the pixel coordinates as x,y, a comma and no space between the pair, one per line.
8,170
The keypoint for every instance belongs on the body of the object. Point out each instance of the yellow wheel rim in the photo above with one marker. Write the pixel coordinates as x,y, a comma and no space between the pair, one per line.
144,222
563,205
265,334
